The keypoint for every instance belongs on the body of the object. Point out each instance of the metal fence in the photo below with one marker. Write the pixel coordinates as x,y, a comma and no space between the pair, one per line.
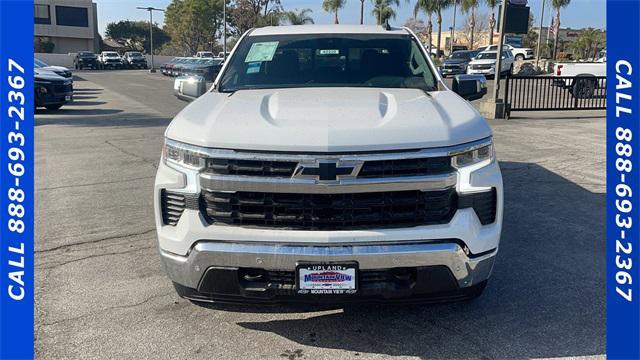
544,93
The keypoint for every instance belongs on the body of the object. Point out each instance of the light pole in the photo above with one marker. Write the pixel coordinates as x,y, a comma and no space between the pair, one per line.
151,10
496,76
540,34
224,30
453,29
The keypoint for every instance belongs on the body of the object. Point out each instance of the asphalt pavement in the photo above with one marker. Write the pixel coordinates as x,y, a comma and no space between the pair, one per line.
101,292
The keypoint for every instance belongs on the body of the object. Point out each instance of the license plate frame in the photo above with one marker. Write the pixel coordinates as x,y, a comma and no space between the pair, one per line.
340,278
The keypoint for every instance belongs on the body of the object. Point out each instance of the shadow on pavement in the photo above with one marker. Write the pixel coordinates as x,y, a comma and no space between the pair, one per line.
546,297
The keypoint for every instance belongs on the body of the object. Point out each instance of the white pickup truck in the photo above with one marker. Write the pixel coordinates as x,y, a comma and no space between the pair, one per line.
329,163
582,78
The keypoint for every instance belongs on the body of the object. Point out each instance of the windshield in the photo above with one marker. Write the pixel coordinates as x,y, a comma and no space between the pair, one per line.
486,55
39,64
360,60
85,54
135,54
461,55
110,54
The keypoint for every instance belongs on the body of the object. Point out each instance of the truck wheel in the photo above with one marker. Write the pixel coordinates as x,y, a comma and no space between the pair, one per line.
583,88
519,57
54,107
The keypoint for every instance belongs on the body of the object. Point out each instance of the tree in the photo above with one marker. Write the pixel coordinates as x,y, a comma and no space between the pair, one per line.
299,17
439,7
135,34
492,18
588,43
428,7
383,10
480,25
332,6
469,7
194,24
557,5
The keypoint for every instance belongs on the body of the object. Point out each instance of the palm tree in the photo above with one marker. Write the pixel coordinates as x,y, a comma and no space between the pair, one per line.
439,6
492,19
557,4
332,6
469,7
361,12
383,10
299,17
428,7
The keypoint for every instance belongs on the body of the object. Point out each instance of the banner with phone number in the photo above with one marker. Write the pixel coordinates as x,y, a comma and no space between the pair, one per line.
623,181
16,179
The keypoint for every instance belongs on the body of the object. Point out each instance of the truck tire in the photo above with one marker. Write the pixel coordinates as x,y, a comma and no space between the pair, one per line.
583,87
520,57
53,107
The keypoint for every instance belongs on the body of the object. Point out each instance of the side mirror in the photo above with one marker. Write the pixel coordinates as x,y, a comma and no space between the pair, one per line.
189,88
470,87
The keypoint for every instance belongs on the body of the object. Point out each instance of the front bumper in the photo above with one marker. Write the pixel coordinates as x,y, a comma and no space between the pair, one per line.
254,272
452,71
490,71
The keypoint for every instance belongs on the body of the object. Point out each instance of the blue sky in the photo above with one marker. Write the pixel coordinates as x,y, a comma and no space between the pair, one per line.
579,13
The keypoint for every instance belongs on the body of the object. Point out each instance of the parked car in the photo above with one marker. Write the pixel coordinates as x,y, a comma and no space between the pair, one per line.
85,59
204,54
166,67
580,77
134,60
207,68
517,52
485,63
58,70
333,165
457,63
51,91
180,66
110,59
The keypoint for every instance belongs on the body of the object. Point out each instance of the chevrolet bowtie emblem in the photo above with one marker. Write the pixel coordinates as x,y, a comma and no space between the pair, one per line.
324,171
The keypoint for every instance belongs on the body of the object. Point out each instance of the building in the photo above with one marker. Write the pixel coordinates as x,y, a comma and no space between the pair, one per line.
65,26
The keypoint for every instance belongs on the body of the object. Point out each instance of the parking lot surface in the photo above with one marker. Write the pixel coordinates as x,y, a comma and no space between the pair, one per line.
101,292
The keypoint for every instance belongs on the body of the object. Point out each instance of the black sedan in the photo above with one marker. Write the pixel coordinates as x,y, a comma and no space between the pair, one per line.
207,68
51,90
457,63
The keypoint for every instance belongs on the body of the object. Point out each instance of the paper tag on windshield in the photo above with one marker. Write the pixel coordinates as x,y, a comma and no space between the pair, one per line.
262,51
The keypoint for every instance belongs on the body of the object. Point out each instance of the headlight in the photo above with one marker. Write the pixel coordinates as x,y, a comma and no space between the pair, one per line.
472,157
183,155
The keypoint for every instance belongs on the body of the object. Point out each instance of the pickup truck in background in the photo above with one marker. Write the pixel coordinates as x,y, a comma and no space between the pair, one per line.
582,78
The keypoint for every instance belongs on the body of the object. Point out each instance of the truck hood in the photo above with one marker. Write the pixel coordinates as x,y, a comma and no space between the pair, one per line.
328,120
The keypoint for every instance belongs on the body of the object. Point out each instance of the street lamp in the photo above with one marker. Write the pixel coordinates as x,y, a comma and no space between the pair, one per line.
151,10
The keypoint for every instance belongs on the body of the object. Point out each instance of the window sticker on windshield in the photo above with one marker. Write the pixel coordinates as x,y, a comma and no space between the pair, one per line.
329,52
261,51
253,68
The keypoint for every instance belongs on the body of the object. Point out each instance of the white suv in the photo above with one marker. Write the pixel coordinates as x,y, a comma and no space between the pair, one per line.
329,163
518,53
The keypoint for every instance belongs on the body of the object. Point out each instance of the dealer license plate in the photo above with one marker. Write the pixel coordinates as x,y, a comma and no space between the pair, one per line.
67,98
327,279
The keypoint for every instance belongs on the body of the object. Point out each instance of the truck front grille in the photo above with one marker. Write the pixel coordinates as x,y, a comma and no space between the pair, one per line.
406,167
370,169
251,167
329,211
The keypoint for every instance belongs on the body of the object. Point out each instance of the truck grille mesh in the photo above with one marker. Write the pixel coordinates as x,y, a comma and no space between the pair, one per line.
329,211
406,167
370,169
